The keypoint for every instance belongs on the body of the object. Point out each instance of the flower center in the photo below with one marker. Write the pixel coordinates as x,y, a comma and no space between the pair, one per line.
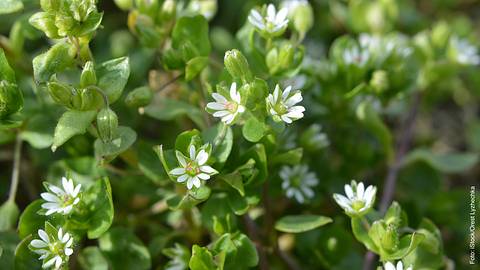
296,181
55,247
231,106
357,205
192,168
280,108
67,200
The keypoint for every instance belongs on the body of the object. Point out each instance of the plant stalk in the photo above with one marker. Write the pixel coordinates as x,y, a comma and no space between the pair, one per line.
17,154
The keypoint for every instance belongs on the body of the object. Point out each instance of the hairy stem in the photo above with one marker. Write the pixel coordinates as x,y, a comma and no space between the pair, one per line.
392,174
16,168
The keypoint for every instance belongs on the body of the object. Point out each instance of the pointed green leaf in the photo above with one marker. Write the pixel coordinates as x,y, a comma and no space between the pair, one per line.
301,223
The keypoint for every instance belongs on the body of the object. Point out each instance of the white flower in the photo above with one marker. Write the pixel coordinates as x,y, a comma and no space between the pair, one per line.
357,56
391,266
193,169
273,24
465,53
281,105
54,249
298,182
227,109
60,200
359,200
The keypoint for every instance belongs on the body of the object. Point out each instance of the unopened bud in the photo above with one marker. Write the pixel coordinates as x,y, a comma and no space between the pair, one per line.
237,65
60,93
107,124
390,239
88,76
139,97
301,14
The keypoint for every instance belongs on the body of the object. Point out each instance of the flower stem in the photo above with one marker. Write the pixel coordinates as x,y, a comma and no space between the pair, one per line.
16,168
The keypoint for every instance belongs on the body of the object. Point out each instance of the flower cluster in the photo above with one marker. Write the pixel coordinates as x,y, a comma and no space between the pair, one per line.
272,24
298,182
61,200
193,169
281,105
358,200
53,247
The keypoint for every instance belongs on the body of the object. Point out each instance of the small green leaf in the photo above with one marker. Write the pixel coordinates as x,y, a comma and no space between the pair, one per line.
112,77
220,152
124,138
6,72
10,6
189,200
98,199
301,223
89,25
185,139
124,250
254,130
170,109
56,59
291,157
201,259
361,233
407,244
446,163
8,243
9,214
25,259
70,124
193,30
91,258
195,66
30,220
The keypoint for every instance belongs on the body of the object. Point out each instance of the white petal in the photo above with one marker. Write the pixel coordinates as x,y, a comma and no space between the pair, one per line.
67,209
203,176
192,151
60,234
77,190
294,114
281,15
271,12
207,169
389,266
49,197
360,191
286,92
56,190
49,262
228,119
240,109
219,98
180,158
177,171
286,119
38,243
349,192
69,243
51,211
221,113
190,183
202,157
399,265
182,178
44,236
276,94
58,261
299,197
68,251
296,98
196,182
216,106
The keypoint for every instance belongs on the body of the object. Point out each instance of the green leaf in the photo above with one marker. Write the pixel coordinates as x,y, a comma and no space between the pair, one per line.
39,131
6,72
98,199
240,252
184,139
291,157
70,124
195,66
8,243
254,130
361,234
124,250
221,151
56,59
9,214
10,6
372,121
113,76
124,138
301,223
169,109
89,25
25,259
201,259
407,244
257,153
189,200
193,30
446,163
30,221
148,163
91,258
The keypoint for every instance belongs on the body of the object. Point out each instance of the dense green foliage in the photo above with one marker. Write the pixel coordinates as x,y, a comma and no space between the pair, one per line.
204,134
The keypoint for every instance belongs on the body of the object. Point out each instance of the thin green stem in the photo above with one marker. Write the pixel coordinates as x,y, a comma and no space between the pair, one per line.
16,168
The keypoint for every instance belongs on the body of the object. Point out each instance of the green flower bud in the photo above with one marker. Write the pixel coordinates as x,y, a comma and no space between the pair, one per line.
301,14
61,93
440,35
107,124
285,56
379,81
88,76
139,97
82,8
11,99
390,239
124,4
237,65
84,100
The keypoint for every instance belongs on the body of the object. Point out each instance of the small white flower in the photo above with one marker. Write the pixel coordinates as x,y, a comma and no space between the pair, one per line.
465,52
273,24
357,56
227,109
298,182
359,200
194,168
60,200
391,266
281,105
54,249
